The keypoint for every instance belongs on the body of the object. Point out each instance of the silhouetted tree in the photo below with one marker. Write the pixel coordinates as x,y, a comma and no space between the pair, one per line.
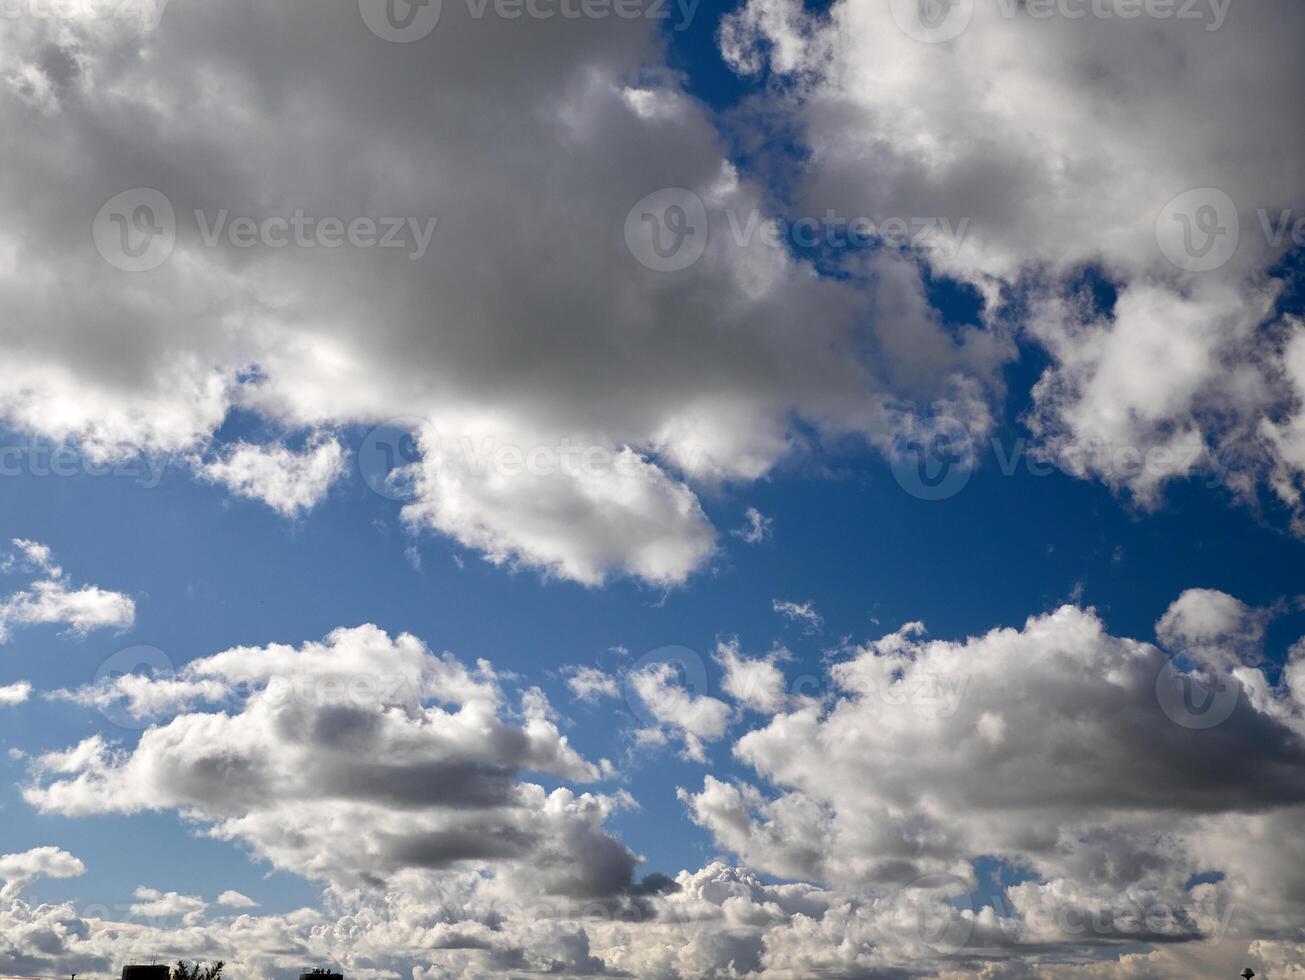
197,972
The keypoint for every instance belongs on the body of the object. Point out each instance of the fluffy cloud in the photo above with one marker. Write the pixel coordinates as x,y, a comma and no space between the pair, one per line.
17,870
527,324
754,683
1023,745
235,900
1062,139
12,694
388,773
288,482
154,904
353,760
52,599
590,684
673,707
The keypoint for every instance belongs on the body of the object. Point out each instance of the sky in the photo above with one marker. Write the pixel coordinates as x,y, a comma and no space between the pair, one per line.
652,489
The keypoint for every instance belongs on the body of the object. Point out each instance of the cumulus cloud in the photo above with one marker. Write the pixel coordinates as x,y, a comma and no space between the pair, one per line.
674,708
1023,745
288,482
235,900
388,773
590,684
755,683
18,870
52,599
354,759
154,904
604,389
12,694
1013,125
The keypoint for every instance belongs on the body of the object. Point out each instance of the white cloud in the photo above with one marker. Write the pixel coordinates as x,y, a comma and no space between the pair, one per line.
235,900
756,528
1017,129
52,600
590,684
799,612
288,482
694,718
753,683
356,760
1023,745
15,693
507,329
153,904
1213,628
18,870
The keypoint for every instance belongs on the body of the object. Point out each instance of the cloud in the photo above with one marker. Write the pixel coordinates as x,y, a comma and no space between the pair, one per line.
1213,628
18,870
799,612
636,386
15,693
590,684
52,600
756,528
154,904
1014,130
754,683
235,900
694,718
354,760
1022,745
288,482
